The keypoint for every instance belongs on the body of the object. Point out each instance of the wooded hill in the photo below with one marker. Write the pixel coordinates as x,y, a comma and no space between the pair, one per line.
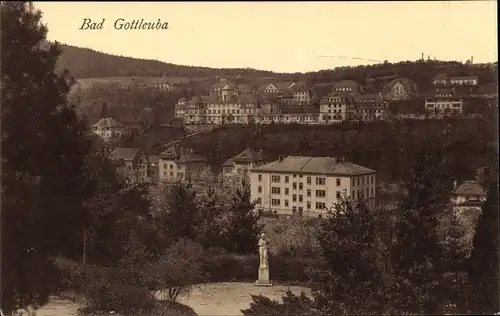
88,63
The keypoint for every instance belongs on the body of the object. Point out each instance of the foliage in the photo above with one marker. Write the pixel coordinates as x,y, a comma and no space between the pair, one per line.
295,236
292,305
210,221
351,282
483,263
43,150
388,147
178,216
179,268
417,257
242,227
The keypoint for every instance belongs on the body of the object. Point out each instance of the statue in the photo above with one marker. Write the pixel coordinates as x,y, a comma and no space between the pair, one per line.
264,262
263,242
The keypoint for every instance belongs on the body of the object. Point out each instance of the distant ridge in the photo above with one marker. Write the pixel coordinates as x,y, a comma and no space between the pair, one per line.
88,63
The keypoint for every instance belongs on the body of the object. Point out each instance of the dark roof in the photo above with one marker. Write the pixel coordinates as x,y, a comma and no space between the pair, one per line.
125,153
314,165
108,122
247,155
469,187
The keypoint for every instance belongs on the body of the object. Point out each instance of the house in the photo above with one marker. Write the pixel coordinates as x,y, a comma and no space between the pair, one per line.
177,163
442,102
108,129
310,185
302,93
367,108
195,110
442,79
276,88
469,194
132,164
333,108
181,108
348,86
400,89
298,114
163,84
245,160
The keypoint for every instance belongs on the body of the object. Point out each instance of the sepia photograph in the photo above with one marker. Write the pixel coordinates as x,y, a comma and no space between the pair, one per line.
204,158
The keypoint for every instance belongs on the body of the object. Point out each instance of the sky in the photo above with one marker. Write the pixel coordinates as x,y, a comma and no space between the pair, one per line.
283,36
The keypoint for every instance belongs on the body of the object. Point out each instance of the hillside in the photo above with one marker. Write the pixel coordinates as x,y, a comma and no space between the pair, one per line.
88,63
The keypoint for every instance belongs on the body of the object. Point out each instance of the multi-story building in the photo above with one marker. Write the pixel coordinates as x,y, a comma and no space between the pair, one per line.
333,108
244,161
181,108
177,163
237,110
348,86
108,129
163,84
275,89
400,89
132,164
443,80
442,102
467,195
302,94
367,108
195,110
310,185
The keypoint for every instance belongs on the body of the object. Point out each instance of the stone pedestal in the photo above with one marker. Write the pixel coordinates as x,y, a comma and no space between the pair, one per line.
263,278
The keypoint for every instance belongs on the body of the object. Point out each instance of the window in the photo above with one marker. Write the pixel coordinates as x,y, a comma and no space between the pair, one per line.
171,166
320,181
275,202
294,208
357,181
275,190
260,189
294,198
286,203
308,192
338,194
287,191
308,205
309,180
171,174
373,194
260,177
320,193
320,205
287,179
300,198
294,185
353,182
301,186
259,200
362,180
338,182
275,179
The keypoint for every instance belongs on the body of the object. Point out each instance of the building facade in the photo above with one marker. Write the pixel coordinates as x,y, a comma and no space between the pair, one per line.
310,185
400,89
179,164
443,102
131,163
367,108
333,108
108,129
468,195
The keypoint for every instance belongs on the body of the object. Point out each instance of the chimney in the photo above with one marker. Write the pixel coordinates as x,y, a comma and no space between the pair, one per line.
472,59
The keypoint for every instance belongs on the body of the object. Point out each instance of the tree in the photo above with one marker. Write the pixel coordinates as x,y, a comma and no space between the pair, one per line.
43,154
416,255
352,281
104,111
483,264
243,228
179,214
210,221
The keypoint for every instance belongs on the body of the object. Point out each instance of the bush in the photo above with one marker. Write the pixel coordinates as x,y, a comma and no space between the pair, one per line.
227,267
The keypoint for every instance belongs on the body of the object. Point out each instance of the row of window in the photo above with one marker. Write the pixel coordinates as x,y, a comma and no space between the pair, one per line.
277,179
318,206
277,191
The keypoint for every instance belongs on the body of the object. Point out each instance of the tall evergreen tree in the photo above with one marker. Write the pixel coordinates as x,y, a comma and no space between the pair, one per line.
483,264
243,226
42,159
417,255
351,282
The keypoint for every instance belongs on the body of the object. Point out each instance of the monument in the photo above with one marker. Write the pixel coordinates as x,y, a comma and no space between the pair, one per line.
264,262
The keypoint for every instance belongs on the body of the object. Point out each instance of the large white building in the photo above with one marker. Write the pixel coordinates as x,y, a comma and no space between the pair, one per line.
310,185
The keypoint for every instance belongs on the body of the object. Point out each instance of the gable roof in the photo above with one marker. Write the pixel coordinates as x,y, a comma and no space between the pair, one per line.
247,155
408,84
107,122
314,165
469,187
126,154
